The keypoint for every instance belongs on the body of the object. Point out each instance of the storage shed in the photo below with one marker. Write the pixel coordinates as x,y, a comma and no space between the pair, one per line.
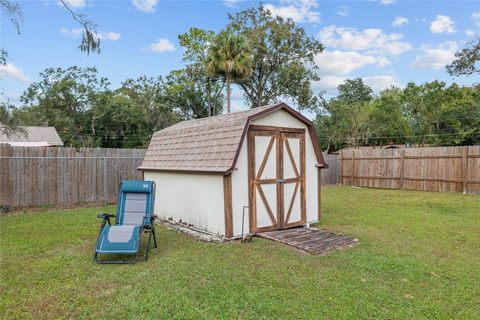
207,170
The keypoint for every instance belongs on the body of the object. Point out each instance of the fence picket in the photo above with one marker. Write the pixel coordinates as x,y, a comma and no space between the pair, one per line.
31,176
443,169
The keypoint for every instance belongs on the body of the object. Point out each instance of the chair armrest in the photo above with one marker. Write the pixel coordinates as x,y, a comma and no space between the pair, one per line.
106,215
105,218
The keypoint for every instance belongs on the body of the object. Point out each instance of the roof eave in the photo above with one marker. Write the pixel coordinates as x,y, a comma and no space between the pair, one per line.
219,172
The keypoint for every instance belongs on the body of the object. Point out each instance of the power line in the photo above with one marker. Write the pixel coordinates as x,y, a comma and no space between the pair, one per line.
413,136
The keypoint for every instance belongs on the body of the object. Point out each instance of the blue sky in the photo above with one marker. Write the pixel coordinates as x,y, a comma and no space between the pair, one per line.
385,42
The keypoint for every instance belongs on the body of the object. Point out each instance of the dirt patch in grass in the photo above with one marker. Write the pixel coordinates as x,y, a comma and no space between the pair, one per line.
44,308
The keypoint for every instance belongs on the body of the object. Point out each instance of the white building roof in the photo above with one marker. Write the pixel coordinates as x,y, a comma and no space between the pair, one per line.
33,137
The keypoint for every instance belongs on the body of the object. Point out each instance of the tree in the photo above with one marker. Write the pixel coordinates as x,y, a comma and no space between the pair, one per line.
64,98
345,118
283,59
387,123
185,93
441,115
430,113
229,57
466,62
8,122
422,106
13,11
90,42
459,120
147,98
196,42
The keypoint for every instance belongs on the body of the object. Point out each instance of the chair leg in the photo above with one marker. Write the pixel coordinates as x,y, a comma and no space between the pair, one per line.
148,244
154,237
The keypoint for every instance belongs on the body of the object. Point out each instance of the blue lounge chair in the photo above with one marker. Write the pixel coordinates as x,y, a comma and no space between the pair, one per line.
134,216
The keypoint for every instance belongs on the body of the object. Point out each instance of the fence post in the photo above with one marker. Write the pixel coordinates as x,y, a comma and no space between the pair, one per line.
402,168
6,151
340,169
352,182
105,181
464,169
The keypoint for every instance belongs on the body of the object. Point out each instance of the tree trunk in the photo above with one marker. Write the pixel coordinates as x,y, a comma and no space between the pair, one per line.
209,93
259,97
228,93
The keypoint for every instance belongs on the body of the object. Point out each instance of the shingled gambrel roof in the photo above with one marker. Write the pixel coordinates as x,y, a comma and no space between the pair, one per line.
210,144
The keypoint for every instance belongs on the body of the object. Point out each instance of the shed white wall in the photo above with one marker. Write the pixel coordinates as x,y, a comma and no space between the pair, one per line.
196,199
278,118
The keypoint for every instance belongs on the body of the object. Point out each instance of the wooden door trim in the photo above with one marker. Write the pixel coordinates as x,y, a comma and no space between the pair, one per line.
227,203
252,216
319,192
279,186
303,192
300,181
276,129
254,181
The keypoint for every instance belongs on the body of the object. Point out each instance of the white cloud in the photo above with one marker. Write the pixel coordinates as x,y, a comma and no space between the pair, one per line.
102,35
377,83
230,3
147,6
298,11
74,4
76,32
442,24
383,62
436,58
470,33
371,40
399,21
110,36
387,1
476,18
11,71
162,45
344,62
381,82
328,84
343,11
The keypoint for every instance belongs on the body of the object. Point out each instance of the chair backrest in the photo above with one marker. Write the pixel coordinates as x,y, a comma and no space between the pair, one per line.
135,202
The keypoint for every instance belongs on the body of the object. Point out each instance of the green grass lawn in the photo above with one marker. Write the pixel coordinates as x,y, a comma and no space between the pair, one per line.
419,257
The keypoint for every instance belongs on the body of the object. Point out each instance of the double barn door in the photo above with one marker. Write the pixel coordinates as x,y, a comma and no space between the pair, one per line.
276,177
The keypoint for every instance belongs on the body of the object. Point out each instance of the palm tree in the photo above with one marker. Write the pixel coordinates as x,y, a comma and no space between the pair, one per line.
229,56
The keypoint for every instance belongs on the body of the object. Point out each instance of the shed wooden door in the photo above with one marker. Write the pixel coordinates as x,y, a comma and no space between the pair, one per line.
276,178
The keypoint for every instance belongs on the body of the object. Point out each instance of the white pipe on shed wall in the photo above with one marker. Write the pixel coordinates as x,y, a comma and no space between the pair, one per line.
194,198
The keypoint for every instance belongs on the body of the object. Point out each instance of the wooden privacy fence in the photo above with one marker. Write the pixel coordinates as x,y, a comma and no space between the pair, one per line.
331,175
446,169
31,176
